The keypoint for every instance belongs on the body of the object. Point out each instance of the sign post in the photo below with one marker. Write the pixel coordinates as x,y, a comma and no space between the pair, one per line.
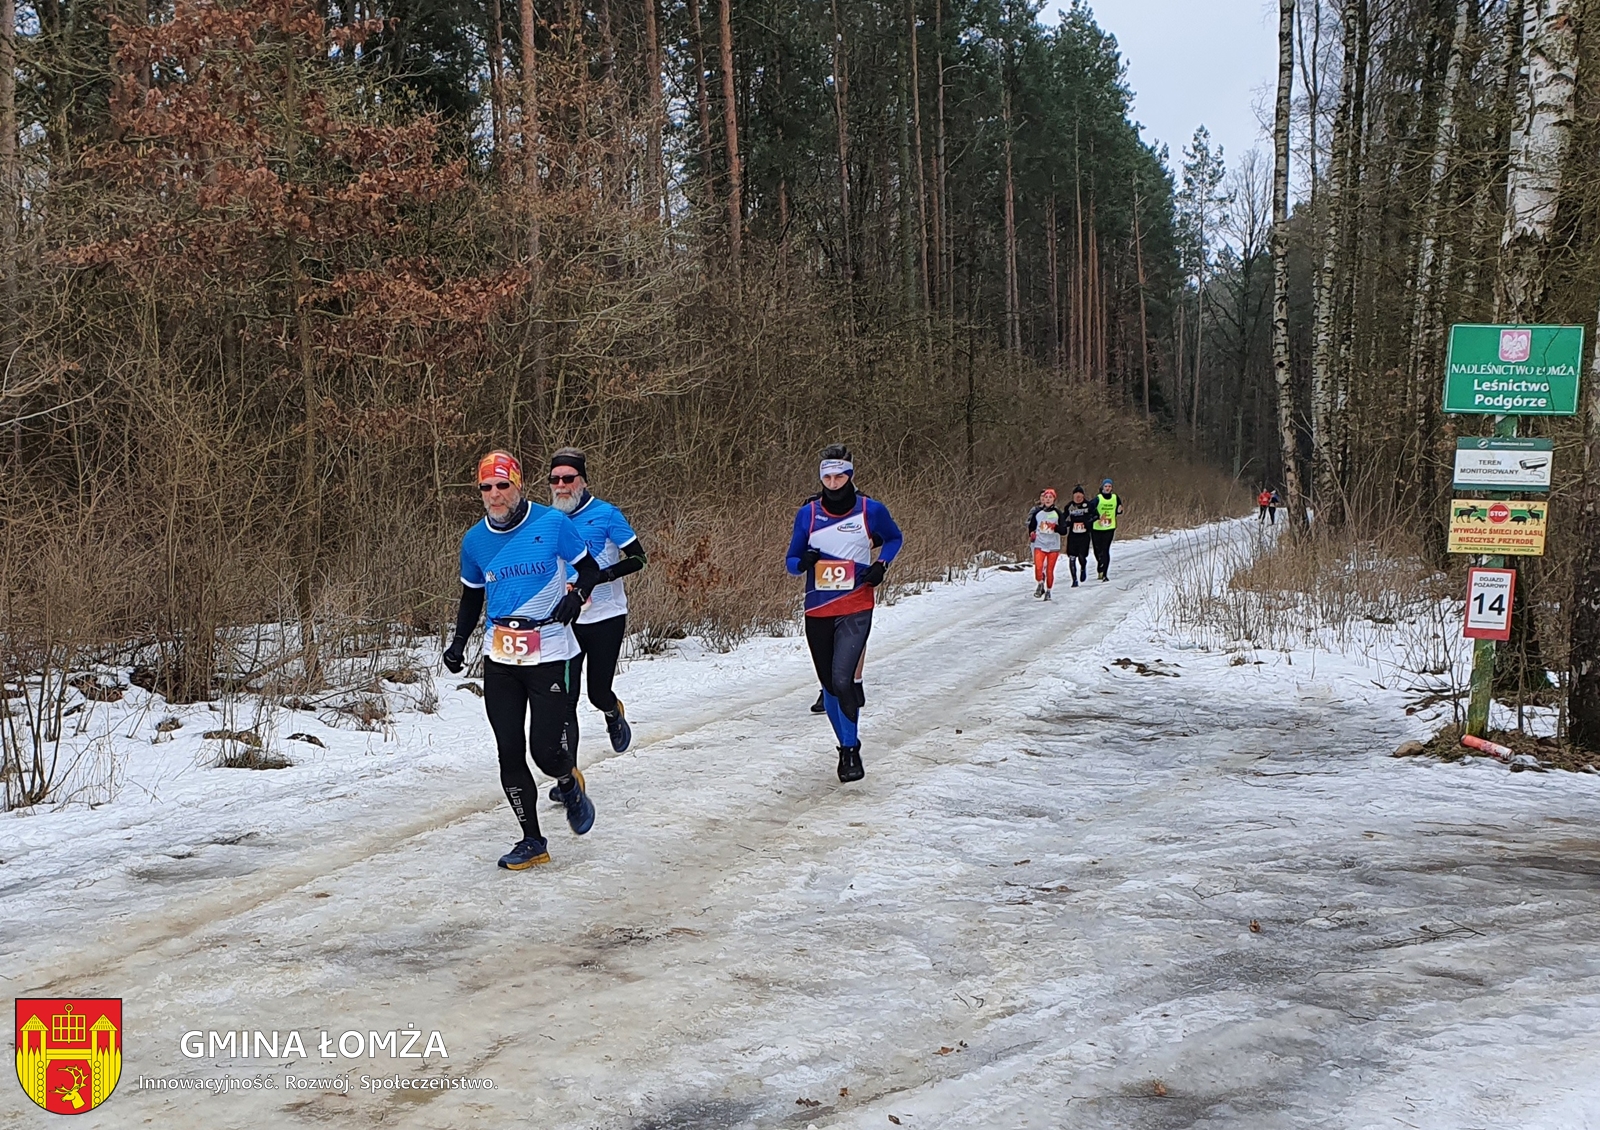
1507,372
1482,686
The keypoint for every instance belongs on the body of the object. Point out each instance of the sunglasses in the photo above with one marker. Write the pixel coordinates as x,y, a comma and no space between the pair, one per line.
563,480
487,487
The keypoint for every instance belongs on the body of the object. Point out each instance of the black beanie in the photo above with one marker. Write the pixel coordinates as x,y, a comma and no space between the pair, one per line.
570,457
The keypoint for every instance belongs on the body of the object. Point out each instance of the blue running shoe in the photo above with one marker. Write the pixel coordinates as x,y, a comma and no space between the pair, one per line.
528,853
580,809
618,730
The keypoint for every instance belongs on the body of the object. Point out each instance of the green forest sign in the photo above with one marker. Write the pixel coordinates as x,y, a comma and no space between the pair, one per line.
1513,370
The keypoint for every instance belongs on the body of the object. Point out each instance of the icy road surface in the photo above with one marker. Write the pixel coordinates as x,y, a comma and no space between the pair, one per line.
1035,911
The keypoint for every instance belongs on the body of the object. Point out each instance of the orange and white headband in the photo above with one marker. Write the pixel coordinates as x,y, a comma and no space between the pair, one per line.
500,465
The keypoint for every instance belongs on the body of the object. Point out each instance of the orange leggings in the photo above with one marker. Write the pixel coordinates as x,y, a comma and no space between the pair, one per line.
1044,566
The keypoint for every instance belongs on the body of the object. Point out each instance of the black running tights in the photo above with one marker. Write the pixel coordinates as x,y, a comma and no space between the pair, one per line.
538,698
837,643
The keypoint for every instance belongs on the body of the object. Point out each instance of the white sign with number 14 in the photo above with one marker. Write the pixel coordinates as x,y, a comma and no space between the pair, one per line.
1489,593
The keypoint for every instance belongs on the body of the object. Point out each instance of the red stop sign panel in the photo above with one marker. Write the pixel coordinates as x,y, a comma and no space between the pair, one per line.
1499,512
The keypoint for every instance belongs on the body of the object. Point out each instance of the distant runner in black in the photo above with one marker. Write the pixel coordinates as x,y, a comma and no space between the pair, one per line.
1079,517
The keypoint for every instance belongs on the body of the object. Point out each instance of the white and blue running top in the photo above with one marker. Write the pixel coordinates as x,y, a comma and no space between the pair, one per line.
523,571
607,533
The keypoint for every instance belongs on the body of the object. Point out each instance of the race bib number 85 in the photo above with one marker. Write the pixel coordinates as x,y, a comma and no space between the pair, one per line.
519,646
836,576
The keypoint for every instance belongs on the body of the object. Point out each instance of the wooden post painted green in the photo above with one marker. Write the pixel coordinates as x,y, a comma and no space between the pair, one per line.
1483,650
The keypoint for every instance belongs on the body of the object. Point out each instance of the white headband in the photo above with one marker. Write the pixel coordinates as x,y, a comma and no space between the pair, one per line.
837,467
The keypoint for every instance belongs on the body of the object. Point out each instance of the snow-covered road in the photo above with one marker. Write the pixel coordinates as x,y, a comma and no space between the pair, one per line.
1035,911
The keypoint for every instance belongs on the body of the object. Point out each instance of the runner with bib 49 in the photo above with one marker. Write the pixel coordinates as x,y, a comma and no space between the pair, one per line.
834,535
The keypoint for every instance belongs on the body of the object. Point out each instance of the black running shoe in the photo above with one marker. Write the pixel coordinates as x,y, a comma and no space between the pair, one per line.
819,707
618,730
850,764
580,809
528,853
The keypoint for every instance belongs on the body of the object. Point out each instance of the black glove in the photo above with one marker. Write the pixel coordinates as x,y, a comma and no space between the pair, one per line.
809,559
455,656
873,574
568,608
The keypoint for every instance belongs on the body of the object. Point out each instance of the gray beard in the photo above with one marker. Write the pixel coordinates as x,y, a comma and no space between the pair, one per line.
565,505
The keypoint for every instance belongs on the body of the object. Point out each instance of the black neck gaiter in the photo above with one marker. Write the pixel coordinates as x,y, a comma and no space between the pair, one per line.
518,513
839,502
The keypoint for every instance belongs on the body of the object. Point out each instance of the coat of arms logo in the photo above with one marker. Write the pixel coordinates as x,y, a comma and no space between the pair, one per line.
69,1052
1516,345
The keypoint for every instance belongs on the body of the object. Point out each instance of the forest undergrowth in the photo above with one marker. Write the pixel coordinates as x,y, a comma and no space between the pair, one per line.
1373,589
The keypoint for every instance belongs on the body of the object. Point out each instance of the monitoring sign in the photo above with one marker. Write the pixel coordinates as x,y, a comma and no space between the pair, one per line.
1498,463
1513,370
1481,525
1489,593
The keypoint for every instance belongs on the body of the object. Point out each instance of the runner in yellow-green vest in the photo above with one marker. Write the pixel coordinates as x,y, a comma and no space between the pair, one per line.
1107,505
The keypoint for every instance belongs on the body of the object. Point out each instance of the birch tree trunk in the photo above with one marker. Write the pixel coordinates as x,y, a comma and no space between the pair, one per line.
1539,140
1540,134
1281,371
1432,274
1335,209
730,129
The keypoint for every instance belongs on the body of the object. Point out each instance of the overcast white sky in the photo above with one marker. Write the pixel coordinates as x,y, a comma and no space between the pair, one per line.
1196,61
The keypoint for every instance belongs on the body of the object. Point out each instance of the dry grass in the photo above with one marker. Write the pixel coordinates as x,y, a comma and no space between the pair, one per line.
1266,589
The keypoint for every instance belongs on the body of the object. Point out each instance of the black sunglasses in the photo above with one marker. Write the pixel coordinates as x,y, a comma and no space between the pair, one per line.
564,480
487,487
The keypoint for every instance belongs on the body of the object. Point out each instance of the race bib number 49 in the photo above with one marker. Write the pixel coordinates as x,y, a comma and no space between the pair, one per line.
836,576
519,646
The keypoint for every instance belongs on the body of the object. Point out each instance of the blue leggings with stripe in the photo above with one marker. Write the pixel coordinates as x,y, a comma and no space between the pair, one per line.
836,644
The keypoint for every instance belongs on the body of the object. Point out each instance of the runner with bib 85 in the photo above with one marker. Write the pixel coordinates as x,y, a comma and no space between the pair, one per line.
514,565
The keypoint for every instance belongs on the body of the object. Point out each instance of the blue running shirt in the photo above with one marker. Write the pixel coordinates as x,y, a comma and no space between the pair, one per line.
523,571
606,532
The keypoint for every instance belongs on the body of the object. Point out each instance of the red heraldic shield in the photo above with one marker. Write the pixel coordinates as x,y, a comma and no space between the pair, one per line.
69,1052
